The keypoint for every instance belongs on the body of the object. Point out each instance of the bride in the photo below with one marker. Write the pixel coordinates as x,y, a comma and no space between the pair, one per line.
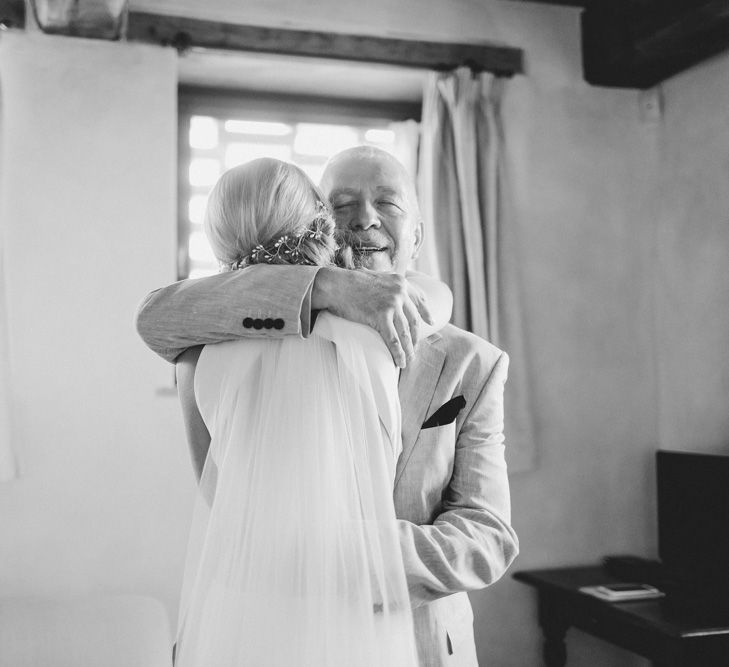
294,556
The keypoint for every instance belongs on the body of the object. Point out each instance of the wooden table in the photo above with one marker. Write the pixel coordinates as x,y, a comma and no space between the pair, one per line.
669,633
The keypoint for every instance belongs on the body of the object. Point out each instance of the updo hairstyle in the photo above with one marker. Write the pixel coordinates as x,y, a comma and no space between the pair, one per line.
257,206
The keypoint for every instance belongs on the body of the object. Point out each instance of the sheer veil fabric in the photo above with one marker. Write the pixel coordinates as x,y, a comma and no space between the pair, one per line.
294,556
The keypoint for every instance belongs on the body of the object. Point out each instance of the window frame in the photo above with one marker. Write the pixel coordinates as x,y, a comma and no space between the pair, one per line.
265,106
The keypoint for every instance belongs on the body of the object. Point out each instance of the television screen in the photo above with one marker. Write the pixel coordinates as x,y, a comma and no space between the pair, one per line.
693,516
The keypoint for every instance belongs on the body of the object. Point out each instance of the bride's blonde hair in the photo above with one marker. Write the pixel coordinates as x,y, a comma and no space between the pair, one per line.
259,209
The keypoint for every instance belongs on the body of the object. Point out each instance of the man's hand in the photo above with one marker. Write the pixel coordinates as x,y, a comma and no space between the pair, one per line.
384,301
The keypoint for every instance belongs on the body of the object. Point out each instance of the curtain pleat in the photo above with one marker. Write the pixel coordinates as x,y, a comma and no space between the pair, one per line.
8,464
464,191
8,467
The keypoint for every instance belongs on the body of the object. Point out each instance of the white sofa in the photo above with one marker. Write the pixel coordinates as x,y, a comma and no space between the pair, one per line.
101,631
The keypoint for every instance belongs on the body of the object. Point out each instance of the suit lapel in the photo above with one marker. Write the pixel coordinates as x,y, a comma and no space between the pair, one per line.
416,389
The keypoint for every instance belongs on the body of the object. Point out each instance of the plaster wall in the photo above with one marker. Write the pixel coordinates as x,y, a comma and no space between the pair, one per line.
88,222
692,249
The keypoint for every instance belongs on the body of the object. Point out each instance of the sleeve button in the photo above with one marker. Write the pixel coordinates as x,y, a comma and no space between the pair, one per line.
248,322
278,323
258,323
268,323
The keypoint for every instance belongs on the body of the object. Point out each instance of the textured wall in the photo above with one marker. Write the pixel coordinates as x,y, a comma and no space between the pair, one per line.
88,150
692,255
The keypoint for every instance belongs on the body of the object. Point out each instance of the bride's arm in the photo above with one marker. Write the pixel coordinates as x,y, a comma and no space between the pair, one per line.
438,297
198,437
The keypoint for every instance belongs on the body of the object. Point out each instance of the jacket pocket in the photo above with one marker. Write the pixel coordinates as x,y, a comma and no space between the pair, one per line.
438,436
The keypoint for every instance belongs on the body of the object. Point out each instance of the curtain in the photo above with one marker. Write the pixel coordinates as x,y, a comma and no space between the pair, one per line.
470,225
8,466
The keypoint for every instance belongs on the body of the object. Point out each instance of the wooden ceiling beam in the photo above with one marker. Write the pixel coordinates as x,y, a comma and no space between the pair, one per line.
639,44
12,13
564,3
186,33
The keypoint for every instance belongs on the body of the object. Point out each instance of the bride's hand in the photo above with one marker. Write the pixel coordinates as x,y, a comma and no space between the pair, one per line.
386,302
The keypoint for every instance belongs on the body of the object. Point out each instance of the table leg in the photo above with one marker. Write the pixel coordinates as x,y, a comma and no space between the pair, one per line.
554,626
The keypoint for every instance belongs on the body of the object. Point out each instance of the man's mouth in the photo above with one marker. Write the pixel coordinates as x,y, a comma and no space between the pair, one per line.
361,249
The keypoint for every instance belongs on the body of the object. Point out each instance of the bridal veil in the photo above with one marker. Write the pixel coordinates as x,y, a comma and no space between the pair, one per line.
294,557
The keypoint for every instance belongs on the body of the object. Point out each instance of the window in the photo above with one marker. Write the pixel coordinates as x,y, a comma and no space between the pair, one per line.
221,130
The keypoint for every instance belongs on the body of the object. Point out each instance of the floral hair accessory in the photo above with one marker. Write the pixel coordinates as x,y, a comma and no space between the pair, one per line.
286,249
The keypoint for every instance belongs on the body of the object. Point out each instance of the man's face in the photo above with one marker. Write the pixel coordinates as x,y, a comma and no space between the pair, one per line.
374,209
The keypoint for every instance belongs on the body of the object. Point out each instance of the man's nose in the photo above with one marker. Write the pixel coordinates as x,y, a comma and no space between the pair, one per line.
367,216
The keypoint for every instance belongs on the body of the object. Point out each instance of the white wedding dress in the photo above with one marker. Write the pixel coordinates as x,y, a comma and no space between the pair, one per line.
294,557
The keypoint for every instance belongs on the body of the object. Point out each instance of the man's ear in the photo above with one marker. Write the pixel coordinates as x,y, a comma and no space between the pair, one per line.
418,239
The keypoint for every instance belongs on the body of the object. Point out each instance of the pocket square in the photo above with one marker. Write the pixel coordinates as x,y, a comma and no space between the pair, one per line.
446,413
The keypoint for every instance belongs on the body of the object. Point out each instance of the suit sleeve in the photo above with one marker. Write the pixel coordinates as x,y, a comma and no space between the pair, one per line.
471,543
227,306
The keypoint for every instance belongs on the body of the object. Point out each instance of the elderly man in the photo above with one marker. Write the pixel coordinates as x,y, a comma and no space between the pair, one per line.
451,489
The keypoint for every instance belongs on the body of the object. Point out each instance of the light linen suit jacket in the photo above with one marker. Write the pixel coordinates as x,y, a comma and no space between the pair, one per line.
451,489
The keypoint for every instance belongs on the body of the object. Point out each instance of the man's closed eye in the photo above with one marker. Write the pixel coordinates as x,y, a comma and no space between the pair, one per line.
389,206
